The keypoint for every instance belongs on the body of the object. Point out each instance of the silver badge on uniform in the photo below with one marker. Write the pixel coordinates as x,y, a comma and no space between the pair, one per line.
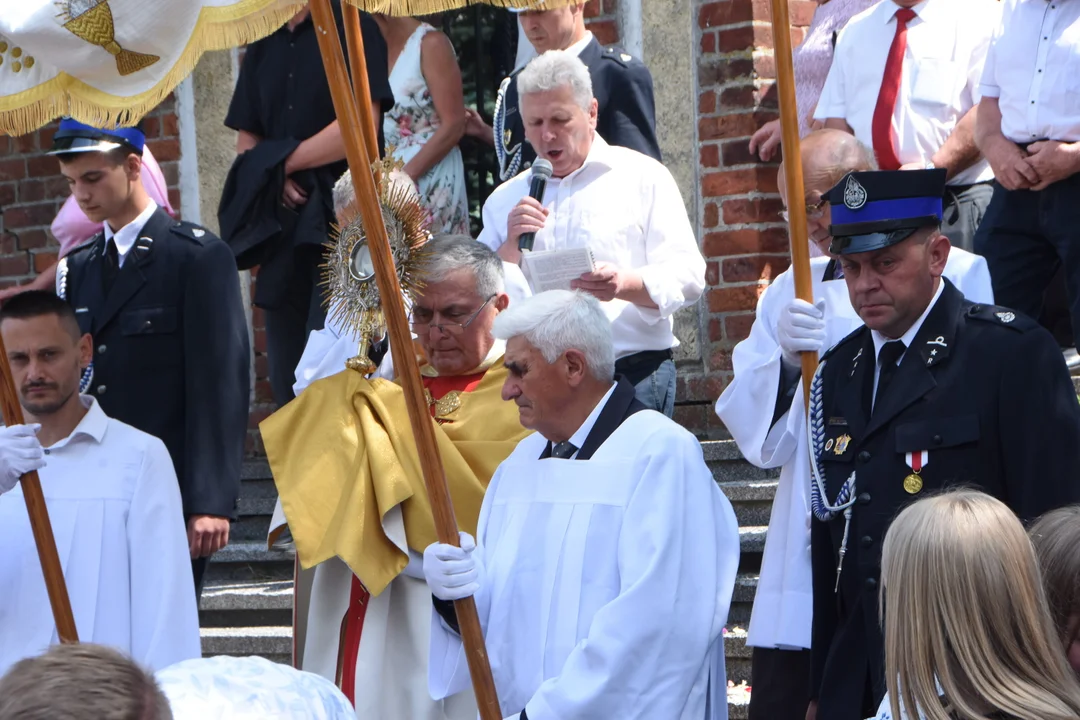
1006,317
854,194
197,232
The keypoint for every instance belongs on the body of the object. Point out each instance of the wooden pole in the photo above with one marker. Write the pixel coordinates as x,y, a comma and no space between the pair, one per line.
39,516
354,40
349,114
793,174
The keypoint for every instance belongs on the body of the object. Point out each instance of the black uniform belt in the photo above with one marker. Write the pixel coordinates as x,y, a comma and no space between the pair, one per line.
641,365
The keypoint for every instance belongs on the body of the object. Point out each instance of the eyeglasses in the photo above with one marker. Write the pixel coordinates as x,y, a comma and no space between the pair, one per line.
813,212
420,319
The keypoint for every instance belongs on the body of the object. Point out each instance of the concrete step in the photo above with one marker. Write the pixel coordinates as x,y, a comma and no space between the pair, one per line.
271,642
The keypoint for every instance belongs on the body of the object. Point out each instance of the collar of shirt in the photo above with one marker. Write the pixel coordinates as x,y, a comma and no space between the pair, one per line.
599,154
924,11
578,438
92,426
125,237
580,45
908,337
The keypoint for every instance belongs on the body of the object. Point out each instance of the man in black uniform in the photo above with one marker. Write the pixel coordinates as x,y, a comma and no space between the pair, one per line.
622,87
282,99
933,392
162,301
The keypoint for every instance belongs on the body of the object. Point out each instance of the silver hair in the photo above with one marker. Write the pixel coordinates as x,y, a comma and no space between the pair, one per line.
447,253
557,69
343,194
559,320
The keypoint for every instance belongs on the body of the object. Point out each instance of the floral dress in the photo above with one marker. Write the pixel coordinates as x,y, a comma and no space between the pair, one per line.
411,123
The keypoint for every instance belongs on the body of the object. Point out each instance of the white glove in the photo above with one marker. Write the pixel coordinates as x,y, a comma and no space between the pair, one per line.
801,328
450,571
20,452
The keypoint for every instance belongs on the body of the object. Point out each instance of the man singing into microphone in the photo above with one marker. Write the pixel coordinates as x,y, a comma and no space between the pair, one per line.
621,204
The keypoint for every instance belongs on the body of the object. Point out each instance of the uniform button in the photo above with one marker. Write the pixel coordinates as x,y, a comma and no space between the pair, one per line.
101,349
937,439
100,389
864,498
866,541
871,584
864,457
47,451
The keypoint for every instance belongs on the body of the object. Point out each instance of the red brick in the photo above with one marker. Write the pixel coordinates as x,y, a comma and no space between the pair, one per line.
151,127
31,191
725,12
42,166
33,239
752,210
720,359
729,299
709,156
8,246
7,194
263,392
260,341
764,67
592,9
259,413
738,182
745,242
171,172
711,215
801,12
739,96
726,126
716,329
703,387
258,315
262,367
712,273
174,198
170,126
706,103
43,261
708,43
610,7
738,38
45,136
753,268
24,216
165,150
737,326
26,144
606,32
13,265
57,187
737,152
14,169
717,71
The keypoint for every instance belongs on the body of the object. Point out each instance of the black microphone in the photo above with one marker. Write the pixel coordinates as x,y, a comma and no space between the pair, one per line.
541,171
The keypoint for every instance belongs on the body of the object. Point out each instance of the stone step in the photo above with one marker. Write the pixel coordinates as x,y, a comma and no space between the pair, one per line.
271,642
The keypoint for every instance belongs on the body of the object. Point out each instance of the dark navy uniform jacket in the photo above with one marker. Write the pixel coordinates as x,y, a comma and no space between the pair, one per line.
623,89
985,392
171,351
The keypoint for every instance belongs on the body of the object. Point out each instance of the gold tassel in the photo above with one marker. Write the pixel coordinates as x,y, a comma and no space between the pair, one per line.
415,8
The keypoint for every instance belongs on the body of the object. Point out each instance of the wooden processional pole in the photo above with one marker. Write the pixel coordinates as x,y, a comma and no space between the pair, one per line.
354,115
39,516
793,174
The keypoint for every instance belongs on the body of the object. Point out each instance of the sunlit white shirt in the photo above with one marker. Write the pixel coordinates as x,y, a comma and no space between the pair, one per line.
626,208
946,47
1033,68
126,236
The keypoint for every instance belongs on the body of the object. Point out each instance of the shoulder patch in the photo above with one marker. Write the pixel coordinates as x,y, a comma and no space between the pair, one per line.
1003,316
618,55
193,232
855,335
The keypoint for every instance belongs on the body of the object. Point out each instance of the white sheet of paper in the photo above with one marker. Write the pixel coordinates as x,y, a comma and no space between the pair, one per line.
555,269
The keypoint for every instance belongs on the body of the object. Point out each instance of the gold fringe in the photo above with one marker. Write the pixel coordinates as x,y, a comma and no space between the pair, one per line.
417,8
215,29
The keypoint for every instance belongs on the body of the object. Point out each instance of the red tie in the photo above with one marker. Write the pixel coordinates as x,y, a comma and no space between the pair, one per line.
881,129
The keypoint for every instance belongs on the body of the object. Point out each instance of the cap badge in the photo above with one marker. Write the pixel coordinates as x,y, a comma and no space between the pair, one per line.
197,232
854,194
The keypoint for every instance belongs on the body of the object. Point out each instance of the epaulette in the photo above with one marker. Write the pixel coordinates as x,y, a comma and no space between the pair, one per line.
617,54
1003,316
855,334
193,232
86,245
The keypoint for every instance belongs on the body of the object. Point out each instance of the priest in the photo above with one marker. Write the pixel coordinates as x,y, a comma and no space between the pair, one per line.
113,502
605,554
348,475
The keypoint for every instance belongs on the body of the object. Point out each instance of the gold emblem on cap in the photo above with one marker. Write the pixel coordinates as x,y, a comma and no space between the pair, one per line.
912,484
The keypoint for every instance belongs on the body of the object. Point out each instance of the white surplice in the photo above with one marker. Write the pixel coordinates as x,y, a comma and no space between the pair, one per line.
114,505
783,608
605,583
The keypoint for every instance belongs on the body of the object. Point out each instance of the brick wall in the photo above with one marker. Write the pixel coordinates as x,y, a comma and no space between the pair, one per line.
742,236
32,191
601,17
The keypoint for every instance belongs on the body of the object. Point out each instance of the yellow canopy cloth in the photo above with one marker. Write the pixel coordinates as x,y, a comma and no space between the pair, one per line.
340,470
108,62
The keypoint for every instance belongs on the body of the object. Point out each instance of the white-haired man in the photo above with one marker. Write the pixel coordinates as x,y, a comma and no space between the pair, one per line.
763,409
605,553
347,472
623,205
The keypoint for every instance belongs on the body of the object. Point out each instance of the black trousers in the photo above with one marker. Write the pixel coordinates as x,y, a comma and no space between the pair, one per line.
291,319
1026,236
779,684
198,570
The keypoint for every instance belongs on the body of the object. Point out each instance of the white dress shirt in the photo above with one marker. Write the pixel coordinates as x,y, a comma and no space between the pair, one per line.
1033,68
946,47
126,236
907,338
626,208
578,438
114,506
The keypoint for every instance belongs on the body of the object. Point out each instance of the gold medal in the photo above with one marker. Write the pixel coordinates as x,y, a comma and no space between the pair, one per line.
842,443
912,484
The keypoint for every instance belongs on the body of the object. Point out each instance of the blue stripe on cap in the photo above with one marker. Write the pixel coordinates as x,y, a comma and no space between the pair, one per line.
132,136
878,210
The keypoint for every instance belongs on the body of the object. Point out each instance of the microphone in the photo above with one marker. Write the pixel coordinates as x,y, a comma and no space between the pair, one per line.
541,171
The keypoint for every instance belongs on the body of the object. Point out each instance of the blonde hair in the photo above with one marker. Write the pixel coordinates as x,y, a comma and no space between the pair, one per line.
1056,536
967,627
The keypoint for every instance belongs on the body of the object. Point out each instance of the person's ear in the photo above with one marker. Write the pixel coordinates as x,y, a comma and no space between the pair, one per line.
86,351
937,249
502,301
594,113
576,367
133,167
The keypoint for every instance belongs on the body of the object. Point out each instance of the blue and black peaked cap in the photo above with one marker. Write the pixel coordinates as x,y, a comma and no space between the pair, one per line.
75,137
873,210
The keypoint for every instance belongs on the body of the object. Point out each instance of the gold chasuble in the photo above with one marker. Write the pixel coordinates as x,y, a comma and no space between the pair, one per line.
342,456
